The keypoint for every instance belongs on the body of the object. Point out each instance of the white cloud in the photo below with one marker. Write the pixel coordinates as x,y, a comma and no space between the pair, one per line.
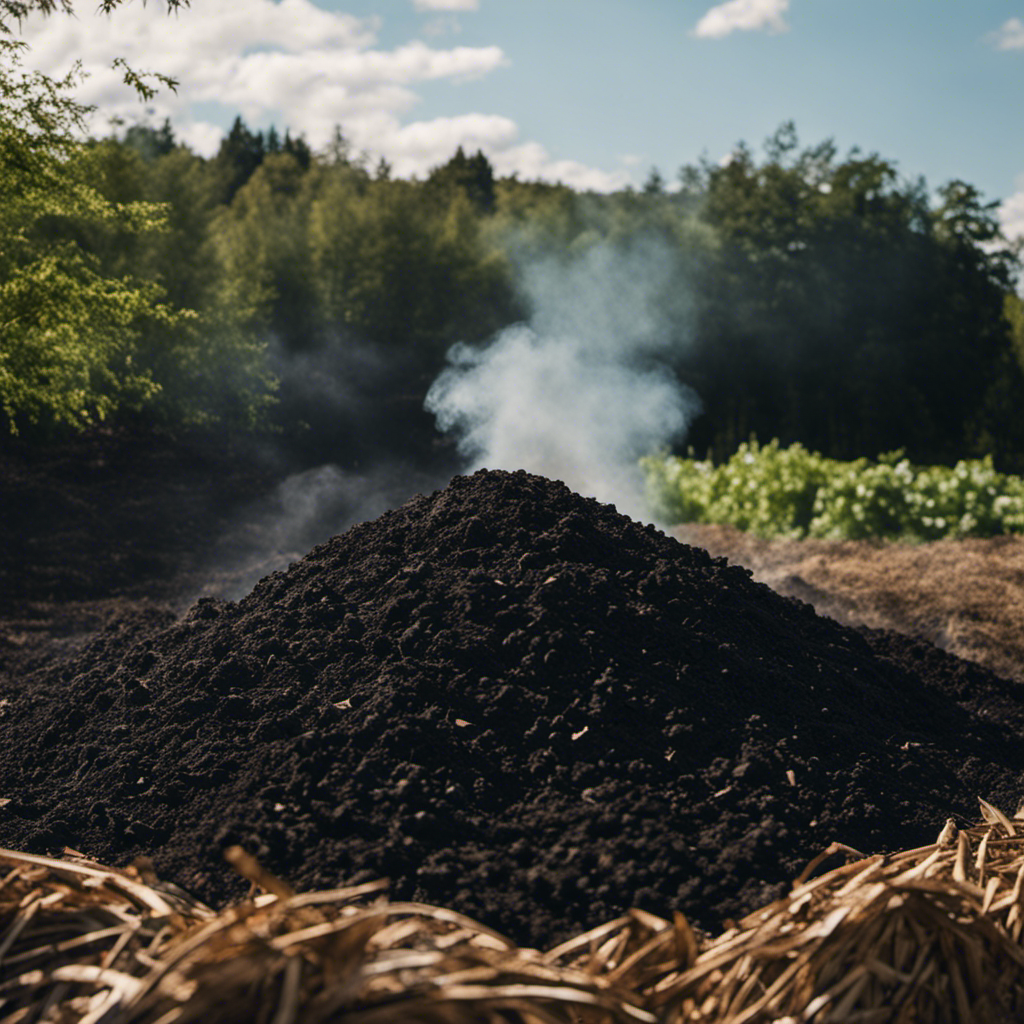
414,148
298,66
447,5
1011,215
742,15
417,147
1010,35
442,25
531,161
200,136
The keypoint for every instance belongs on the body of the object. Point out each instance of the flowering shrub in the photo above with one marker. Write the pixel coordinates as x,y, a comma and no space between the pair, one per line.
790,492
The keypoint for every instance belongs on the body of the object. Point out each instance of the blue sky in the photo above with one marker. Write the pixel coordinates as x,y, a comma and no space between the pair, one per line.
592,92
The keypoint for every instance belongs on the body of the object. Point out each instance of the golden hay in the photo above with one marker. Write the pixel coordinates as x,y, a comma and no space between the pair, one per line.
928,935
81,943
76,937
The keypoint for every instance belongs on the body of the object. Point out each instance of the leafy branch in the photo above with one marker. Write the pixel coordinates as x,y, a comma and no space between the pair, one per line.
137,80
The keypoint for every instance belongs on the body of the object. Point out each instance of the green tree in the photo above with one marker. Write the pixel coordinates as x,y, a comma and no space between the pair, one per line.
400,264
1013,310
149,142
655,183
68,331
183,256
241,152
87,331
841,308
15,11
299,149
213,367
472,175
262,245
536,218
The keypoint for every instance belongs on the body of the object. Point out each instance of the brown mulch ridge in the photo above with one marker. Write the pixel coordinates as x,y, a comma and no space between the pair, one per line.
964,596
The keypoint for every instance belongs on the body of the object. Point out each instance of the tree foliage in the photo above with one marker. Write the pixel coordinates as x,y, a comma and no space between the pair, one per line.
243,151
473,176
13,12
843,307
68,331
86,331
821,299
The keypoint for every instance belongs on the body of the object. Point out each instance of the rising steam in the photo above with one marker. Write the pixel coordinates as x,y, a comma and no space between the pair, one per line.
582,391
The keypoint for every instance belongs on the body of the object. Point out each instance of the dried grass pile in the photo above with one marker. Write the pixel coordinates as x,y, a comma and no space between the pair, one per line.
77,939
80,943
928,935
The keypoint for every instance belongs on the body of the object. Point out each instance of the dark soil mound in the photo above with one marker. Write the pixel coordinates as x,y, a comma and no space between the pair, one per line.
511,701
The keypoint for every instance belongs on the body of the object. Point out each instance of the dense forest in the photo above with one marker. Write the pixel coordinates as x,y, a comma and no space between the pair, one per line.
803,295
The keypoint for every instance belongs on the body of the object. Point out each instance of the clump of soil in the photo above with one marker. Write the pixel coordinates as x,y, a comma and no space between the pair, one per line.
513,701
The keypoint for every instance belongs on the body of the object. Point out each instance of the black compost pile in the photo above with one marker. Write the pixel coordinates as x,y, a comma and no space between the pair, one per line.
511,701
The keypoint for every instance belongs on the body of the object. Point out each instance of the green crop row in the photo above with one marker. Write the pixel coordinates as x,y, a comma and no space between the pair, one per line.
773,491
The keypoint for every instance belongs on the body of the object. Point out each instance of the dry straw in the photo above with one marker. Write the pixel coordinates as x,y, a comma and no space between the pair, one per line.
76,937
928,935
82,943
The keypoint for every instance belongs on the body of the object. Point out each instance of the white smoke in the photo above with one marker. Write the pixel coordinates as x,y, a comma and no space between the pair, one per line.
304,509
580,393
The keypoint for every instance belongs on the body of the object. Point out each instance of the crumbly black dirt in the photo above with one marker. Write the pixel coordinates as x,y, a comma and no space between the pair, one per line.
512,701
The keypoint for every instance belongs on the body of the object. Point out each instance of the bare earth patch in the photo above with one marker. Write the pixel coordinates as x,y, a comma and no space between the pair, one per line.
966,597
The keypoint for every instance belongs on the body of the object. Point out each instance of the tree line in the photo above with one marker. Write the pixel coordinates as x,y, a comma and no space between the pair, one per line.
812,297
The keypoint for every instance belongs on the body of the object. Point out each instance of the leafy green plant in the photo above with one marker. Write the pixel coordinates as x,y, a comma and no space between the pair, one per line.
790,492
